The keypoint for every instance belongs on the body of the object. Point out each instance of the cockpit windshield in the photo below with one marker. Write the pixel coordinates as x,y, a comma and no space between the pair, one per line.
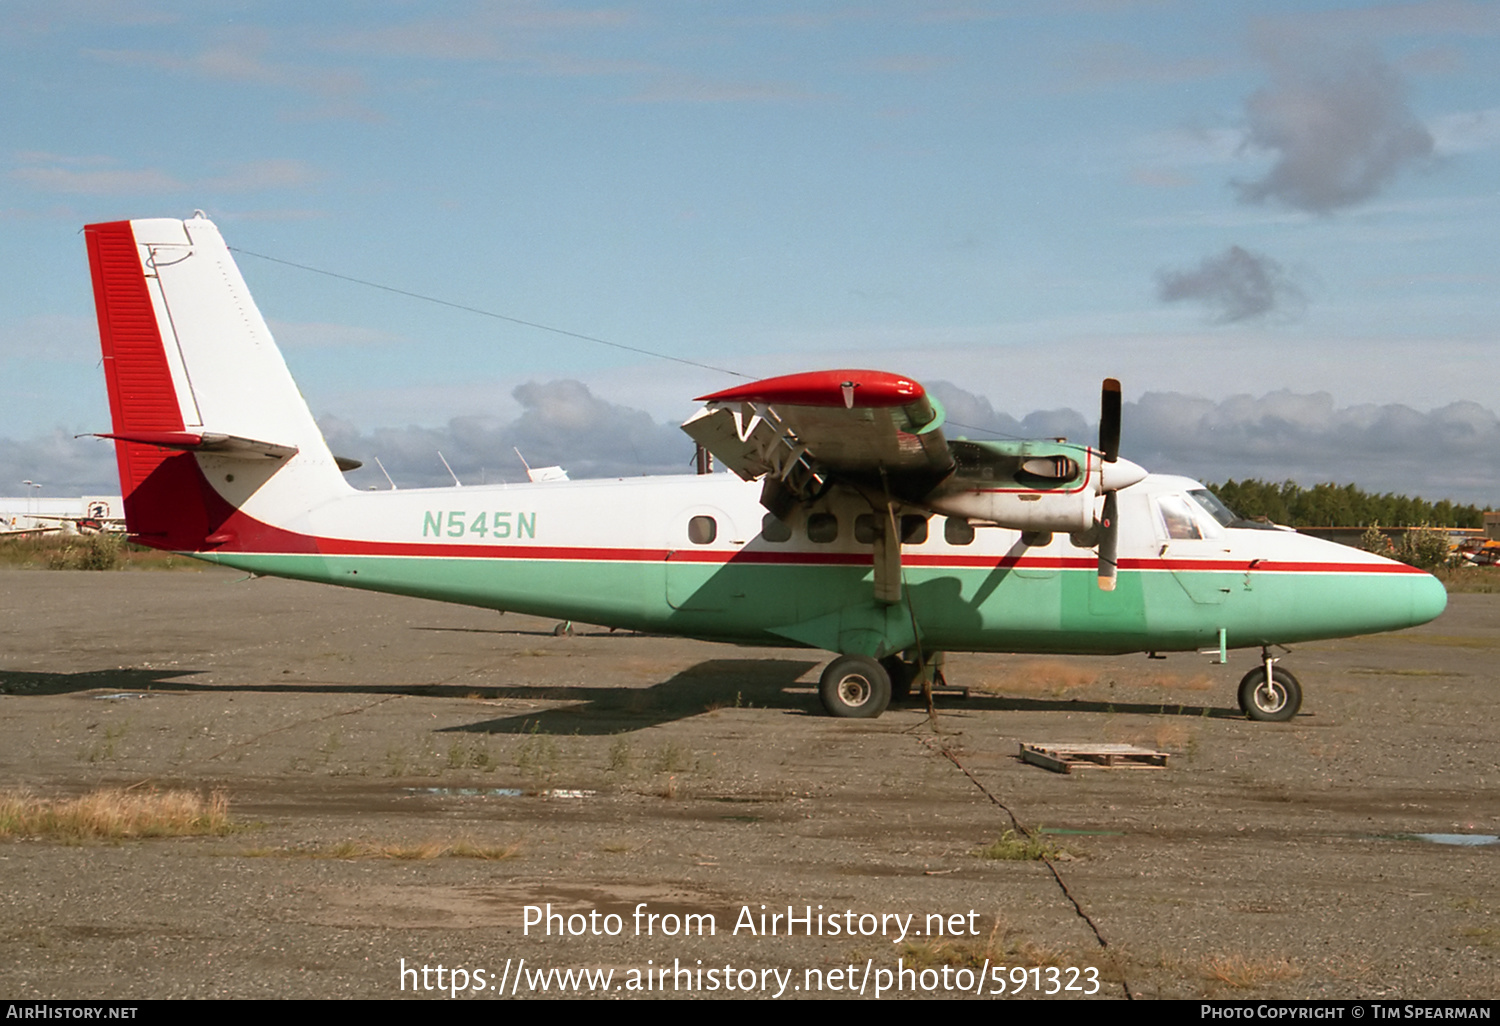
1226,516
1210,502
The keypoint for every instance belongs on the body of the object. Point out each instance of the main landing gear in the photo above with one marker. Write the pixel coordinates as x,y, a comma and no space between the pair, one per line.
860,687
855,687
1269,693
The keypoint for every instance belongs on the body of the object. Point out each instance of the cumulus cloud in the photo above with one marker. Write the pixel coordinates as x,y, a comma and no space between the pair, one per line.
61,464
1340,131
1237,285
561,423
970,414
1443,453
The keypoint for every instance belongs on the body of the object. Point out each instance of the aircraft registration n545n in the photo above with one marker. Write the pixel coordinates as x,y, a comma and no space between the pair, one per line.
850,522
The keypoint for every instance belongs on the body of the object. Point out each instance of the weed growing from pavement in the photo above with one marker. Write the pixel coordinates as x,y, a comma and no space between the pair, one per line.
537,756
620,756
475,756
419,852
1242,973
1013,847
672,757
395,761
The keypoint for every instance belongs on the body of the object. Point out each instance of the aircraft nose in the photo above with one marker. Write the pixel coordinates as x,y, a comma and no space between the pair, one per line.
1428,599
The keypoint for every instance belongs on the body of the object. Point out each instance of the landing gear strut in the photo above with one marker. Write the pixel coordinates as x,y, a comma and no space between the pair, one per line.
907,674
1269,693
903,675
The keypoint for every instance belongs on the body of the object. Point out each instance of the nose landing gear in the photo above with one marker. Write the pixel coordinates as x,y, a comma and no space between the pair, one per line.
1269,693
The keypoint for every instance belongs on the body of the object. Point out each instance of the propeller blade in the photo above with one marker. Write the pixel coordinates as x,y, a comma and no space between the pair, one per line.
1109,537
1109,420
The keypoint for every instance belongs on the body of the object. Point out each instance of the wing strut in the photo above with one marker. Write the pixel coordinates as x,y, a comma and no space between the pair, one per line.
887,552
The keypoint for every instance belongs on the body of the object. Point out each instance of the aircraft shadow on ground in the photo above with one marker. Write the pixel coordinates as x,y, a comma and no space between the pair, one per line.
13,682
703,687
596,710
1000,703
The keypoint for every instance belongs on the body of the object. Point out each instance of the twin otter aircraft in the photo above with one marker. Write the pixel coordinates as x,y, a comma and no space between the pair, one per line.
850,523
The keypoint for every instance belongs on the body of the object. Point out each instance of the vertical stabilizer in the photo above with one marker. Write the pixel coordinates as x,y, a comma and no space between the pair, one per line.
216,446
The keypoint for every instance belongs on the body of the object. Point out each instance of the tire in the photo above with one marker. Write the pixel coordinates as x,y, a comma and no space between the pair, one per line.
855,687
1274,704
902,674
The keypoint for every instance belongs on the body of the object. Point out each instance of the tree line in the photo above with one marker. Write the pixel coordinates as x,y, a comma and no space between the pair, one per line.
1331,505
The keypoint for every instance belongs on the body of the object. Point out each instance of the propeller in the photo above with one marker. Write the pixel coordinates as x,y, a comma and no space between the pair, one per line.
1109,449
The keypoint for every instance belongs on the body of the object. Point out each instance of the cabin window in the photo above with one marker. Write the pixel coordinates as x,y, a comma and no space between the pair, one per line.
913,529
774,529
958,531
702,530
822,528
866,528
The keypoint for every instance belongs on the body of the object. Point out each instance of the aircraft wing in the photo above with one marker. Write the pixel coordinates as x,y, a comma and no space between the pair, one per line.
17,532
867,428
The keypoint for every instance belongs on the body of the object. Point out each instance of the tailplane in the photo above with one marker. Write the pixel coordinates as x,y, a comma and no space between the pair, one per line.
216,446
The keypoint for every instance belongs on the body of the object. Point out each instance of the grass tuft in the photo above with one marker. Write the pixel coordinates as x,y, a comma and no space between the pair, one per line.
420,852
114,815
1243,973
1013,847
672,757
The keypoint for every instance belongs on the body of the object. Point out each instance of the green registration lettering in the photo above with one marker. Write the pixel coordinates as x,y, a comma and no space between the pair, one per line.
499,524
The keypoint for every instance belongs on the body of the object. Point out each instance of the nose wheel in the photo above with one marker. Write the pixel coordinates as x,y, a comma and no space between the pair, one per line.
1269,693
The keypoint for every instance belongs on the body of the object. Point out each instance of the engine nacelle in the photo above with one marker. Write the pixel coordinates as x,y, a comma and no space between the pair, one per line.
1021,510
1029,485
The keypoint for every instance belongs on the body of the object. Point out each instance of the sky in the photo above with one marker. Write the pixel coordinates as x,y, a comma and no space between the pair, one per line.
1278,223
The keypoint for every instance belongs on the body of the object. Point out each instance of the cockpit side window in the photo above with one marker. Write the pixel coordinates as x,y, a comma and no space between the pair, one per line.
1178,516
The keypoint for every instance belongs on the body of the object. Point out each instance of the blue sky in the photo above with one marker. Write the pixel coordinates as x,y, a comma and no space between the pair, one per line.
1276,222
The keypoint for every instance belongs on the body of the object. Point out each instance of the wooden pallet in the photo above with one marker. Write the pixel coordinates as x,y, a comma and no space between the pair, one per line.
1062,758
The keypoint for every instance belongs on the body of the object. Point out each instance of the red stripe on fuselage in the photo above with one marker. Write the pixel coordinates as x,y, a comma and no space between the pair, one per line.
242,533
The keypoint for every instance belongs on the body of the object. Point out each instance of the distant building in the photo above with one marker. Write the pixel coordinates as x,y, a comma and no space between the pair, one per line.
1492,526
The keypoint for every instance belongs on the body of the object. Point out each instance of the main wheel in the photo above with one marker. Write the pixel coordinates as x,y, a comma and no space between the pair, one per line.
856,687
902,674
1274,702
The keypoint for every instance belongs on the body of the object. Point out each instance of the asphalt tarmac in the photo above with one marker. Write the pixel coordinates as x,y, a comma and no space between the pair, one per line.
681,816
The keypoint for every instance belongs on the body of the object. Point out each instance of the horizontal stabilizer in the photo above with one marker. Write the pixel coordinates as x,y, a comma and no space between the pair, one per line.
232,446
